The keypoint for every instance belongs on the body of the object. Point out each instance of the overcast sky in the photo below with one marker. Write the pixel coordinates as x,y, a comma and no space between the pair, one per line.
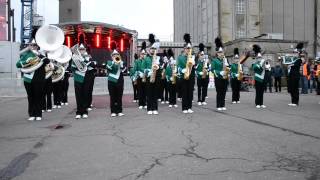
145,16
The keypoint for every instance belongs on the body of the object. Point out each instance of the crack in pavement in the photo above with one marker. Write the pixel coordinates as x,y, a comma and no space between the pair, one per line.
122,139
190,152
156,162
124,176
308,163
265,124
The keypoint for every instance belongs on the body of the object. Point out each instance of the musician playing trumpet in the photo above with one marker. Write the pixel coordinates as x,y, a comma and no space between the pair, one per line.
294,73
185,66
220,69
115,69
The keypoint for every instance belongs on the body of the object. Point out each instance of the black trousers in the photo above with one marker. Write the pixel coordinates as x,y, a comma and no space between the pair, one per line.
47,97
268,83
179,87
164,92
142,92
221,89
259,92
187,94
65,88
57,93
152,95
277,84
81,92
293,89
172,93
235,85
135,91
116,93
202,88
35,93
89,83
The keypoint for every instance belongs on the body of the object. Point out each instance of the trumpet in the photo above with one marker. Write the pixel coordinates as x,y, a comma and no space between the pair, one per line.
116,58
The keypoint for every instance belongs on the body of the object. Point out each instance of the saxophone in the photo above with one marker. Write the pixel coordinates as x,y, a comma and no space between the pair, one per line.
240,72
226,69
174,73
154,67
204,68
189,65
163,72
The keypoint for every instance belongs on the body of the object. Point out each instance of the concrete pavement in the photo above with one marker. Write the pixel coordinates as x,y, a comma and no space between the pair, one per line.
244,143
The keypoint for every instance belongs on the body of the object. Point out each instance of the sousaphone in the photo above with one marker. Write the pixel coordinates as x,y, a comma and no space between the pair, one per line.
59,70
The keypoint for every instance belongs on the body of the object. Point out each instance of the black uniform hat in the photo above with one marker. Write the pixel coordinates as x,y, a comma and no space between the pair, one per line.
219,45
187,40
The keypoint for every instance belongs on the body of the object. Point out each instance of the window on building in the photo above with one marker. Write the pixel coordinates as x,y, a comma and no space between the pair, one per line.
240,19
240,6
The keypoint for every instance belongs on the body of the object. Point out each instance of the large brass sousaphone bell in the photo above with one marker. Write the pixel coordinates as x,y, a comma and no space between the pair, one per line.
49,38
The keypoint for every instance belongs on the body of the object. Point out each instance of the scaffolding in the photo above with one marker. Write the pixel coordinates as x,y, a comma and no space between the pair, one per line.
26,20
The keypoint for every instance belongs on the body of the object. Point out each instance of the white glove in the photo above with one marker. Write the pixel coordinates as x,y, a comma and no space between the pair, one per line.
184,70
262,62
171,79
222,73
201,73
237,75
121,64
141,74
149,74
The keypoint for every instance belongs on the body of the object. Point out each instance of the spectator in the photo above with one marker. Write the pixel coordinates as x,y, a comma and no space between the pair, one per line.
268,77
277,73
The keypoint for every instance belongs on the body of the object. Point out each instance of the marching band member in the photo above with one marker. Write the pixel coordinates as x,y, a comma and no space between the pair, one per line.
133,78
202,75
115,68
185,66
294,74
141,77
65,84
80,88
89,78
235,74
151,66
220,69
171,76
47,98
259,72
57,94
34,81
163,85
